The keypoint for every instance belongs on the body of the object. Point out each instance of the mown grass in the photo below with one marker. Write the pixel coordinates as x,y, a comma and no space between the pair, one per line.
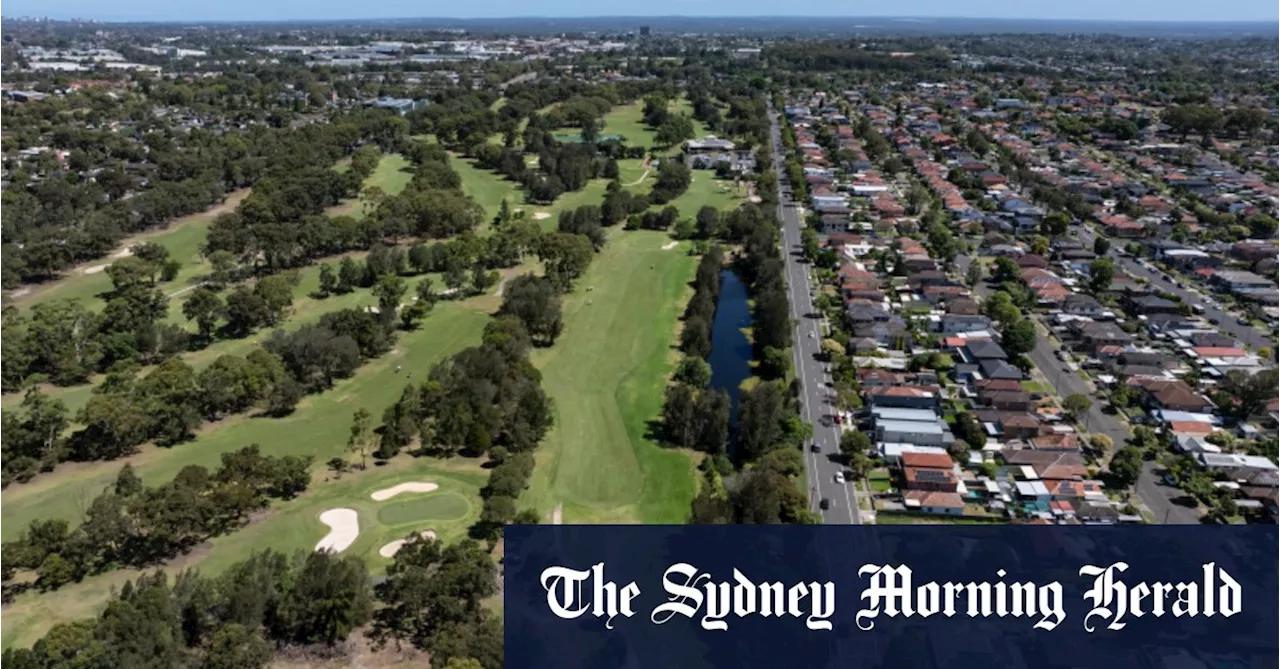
606,373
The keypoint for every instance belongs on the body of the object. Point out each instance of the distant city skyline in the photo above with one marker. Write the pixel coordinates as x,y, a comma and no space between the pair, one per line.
246,10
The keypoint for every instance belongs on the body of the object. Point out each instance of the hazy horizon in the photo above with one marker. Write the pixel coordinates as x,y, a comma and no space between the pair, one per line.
1139,11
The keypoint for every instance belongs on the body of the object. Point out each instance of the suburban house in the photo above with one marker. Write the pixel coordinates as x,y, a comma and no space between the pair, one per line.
1171,395
1146,305
1232,281
903,397
938,503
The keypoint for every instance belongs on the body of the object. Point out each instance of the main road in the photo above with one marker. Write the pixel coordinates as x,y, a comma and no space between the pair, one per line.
816,392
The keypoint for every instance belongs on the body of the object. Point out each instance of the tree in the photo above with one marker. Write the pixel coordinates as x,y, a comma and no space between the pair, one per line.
482,279
1056,224
708,223
1076,404
973,275
959,451
235,647
566,256
536,303
679,416
328,280
1251,391
853,442
1101,272
1126,466
1005,270
389,290
1101,245
246,311
694,371
329,598
673,179
1019,337
349,276
276,294
205,308
361,437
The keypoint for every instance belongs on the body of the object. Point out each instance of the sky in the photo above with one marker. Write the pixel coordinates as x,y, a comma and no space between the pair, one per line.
274,10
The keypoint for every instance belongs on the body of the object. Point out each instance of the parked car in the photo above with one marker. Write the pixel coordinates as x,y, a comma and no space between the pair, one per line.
815,448
825,504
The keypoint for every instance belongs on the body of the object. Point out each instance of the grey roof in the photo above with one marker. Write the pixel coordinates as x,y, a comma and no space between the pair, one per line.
998,369
985,350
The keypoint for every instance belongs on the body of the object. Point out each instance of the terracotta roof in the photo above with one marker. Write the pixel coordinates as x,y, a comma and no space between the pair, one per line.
948,500
928,461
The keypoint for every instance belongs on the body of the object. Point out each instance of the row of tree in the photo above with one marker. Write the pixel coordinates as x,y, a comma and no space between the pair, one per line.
136,526
431,598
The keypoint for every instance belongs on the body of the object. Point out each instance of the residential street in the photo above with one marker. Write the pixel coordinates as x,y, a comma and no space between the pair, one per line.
821,467
1158,498
1251,336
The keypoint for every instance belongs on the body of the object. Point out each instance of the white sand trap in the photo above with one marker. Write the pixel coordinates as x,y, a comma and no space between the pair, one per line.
123,253
95,269
541,216
394,547
344,527
415,486
670,245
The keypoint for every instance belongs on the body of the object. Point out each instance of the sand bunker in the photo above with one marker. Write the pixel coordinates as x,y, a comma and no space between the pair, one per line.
344,527
416,486
541,216
394,547
670,245
95,269
123,253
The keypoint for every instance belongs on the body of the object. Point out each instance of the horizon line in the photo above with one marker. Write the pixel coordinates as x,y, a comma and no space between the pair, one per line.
642,17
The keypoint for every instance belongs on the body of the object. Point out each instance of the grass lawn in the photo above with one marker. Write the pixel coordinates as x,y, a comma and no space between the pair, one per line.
392,174
606,373
288,527
1037,387
318,427
487,188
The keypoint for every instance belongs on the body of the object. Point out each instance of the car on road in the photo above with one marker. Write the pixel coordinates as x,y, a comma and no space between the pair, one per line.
1242,321
839,477
824,504
811,335
1213,321
815,447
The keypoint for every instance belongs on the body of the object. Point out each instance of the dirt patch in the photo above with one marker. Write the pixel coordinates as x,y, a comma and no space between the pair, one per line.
344,528
390,550
414,486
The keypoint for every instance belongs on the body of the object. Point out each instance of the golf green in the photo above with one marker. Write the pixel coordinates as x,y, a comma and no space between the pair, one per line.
429,507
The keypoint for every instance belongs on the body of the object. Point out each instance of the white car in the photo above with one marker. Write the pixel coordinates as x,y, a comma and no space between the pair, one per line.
839,477
811,335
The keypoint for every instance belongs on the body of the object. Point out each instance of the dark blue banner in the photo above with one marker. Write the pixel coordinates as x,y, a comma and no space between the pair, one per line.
882,597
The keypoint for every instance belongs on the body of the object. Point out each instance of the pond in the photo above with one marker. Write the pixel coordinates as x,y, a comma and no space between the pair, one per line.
730,351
